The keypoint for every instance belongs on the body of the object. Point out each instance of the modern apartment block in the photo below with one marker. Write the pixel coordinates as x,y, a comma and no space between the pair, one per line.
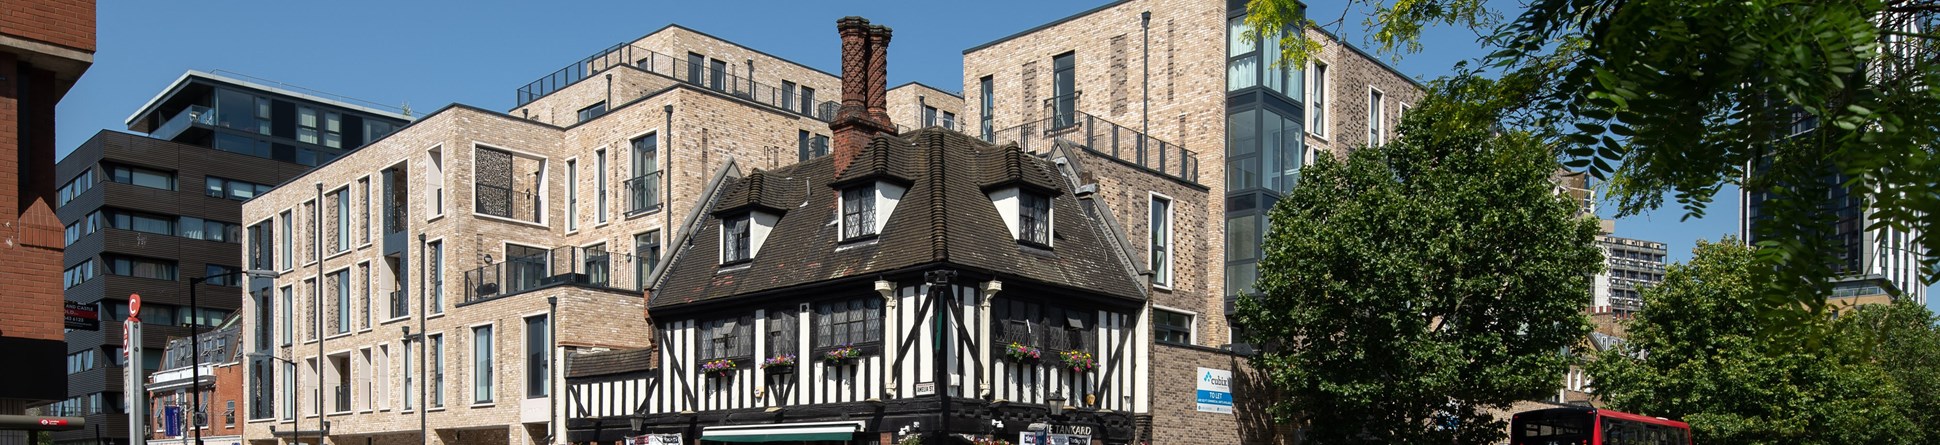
205,378
1863,251
1135,80
148,214
45,46
432,281
1137,83
1629,265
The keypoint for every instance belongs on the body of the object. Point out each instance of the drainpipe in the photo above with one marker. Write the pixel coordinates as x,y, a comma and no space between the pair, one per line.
316,297
609,91
1145,86
423,306
666,211
552,369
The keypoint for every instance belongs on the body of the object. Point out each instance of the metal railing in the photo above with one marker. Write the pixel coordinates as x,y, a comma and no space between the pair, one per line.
505,202
1106,138
400,304
343,398
642,192
563,266
680,70
195,114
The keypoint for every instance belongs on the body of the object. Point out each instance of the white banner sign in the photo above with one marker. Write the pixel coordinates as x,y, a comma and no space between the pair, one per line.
655,439
1215,390
1042,438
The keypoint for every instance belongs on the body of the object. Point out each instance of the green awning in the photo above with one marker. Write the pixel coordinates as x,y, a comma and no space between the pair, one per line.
783,432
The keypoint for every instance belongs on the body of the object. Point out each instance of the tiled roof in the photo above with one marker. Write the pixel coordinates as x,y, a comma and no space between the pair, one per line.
945,217
761,190
619,361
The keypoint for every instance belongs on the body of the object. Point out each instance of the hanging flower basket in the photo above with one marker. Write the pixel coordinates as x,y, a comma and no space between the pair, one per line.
842,355
1022,354
718,368
779,365
1079,361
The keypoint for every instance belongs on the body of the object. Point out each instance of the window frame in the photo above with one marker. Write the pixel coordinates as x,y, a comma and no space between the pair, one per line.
1031,229
538,364
823,326
484,392
712,333
1377,118
1318,88
1160,328
858,218
1161,264
737,245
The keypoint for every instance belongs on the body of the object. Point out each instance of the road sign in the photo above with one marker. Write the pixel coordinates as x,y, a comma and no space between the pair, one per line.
82,317
134,306
172,420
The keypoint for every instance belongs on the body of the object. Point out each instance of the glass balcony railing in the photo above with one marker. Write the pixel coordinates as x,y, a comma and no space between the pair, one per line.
195,114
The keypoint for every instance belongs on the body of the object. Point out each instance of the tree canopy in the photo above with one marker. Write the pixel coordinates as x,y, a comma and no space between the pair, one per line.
1698,353
1411,288
1682,98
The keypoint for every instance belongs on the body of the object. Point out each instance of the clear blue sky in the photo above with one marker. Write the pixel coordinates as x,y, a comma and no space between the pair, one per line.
432,53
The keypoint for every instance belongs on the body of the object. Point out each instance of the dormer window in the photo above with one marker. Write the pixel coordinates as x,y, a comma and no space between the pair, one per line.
735,242
859,212
1034,218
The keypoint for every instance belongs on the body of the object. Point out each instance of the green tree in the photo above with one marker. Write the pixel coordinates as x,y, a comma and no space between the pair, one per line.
1680,98
1698,353
1904,340
1413,287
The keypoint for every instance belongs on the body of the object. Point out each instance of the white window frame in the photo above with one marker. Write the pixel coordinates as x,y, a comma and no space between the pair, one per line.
1377,119
572,195
1321,85
492,394
600,185
1171,241
435,174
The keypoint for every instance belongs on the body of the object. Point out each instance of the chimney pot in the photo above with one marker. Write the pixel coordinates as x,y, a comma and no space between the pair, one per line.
864,113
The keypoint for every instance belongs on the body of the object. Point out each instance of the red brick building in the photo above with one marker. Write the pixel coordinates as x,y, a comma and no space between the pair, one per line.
217,374
45,45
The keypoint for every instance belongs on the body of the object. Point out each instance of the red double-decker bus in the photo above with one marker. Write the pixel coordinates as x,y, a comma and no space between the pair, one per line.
1591,426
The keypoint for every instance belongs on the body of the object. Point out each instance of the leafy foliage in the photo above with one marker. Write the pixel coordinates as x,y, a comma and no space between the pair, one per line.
1799,99
1410,288
1697,352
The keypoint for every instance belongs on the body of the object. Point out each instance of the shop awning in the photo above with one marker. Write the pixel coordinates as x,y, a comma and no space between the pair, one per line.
783,432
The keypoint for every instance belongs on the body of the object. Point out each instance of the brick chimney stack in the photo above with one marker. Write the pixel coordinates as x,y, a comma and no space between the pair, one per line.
865,67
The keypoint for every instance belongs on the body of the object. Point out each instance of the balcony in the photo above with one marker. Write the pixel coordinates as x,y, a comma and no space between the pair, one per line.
195,114
343,398
507,203
563,266
677,69
1104,138
642,193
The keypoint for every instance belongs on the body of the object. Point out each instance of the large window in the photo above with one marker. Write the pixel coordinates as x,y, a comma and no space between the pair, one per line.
340,293
734,239
593,111
289,391
333,129
217,187
209,230
717,78
859,211
696,66
808,100
75,187
988,100
288,239
410,376
130,266
1376,121
787,95
140,176
79,273
855,321
435,260
1047,327
288,320
729,338
1064,87
1171,327
87,225
1034,218
1317,100
646,255
1242,56
599,185
783,333
810,145
306,125
219,275
482,364
643,191
1161,246
572,195
342,208
538,356
435,346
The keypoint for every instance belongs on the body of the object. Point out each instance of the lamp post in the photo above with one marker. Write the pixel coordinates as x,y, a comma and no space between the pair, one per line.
297,435
195,345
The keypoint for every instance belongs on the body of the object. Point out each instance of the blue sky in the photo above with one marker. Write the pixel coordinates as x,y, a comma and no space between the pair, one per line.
431,53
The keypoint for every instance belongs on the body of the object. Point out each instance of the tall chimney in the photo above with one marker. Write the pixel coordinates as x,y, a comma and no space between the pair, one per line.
879,75
863,114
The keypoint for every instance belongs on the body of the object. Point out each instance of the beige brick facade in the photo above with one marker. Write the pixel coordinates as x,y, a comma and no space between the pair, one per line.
906,107
706,128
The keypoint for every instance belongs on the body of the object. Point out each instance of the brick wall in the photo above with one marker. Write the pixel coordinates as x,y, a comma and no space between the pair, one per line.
905,106
68,23
1352,75
1176,418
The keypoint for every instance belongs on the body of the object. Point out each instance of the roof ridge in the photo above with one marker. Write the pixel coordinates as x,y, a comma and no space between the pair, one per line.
939,212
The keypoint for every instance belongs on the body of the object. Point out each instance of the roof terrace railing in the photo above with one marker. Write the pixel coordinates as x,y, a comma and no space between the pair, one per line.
704,76
569,265
1103,137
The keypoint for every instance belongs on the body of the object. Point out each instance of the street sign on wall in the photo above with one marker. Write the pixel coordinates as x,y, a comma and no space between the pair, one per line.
1215,390
82,317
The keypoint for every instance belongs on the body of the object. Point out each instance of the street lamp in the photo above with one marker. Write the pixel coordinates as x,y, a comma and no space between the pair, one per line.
297,434
195,345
